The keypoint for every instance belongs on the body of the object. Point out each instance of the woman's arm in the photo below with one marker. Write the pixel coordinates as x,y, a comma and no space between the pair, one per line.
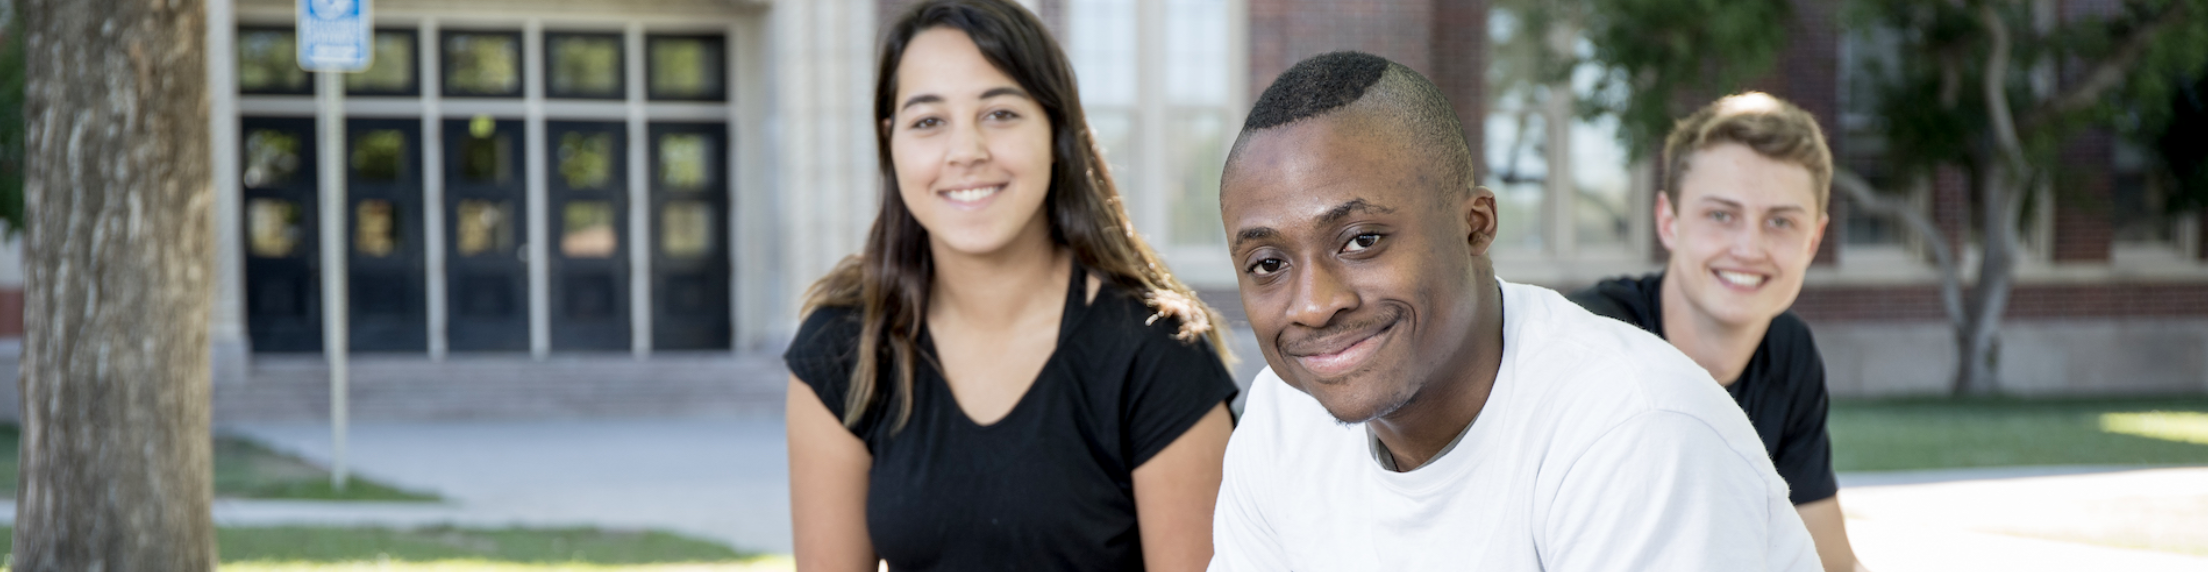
828,478
1175,492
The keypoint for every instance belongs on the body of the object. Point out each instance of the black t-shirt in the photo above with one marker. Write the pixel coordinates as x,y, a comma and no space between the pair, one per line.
1782,389
1051,485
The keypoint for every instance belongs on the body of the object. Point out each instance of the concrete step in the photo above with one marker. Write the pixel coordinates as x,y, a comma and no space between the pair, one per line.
507,387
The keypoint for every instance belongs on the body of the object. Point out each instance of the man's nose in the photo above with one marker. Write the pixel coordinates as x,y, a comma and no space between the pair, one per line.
1318,295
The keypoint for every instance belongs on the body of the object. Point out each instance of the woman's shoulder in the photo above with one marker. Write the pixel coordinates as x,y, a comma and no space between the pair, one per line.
1124,319
828,339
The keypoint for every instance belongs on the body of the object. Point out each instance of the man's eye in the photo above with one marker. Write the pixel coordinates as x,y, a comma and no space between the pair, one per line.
1721,216
1782,223
1265,267
1361,242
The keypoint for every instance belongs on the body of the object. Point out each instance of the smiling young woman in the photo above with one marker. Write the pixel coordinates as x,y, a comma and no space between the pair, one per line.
1007,377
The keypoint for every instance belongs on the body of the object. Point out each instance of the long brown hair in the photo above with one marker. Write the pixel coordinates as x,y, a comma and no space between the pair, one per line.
889,280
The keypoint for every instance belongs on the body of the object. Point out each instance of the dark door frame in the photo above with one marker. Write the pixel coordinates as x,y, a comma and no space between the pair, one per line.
691,295
487,292
283,294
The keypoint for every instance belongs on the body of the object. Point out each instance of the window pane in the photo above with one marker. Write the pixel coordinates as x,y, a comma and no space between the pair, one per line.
392,72
686,229
686,68
1196,52
685,161
379,156
486,227
1601,185
1517,171
486,156
589,231
1198,144
268,62
586,160
584,65
1101,44
272,226
1114,129
375,228
483,64
271,158
2140,214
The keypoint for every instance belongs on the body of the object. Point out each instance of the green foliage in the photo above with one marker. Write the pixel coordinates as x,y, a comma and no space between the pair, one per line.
244,469
11,124
1664,58
1946,433
449,548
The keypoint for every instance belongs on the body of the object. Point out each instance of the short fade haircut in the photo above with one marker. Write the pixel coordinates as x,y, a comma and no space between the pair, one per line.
1772,127
1407,103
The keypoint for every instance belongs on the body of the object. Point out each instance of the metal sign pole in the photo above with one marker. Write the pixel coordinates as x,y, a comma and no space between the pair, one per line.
330,97
335,37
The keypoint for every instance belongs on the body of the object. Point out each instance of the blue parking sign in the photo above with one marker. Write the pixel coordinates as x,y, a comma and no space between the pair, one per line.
335,35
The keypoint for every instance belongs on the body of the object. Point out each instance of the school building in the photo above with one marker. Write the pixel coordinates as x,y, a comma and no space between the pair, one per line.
591,207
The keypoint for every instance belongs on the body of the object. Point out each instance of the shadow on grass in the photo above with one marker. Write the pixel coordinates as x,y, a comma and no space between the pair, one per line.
1932,433
244,469
329,545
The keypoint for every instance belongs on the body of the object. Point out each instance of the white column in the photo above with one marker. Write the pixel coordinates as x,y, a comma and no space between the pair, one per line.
1147,201
433,188
540,286
759,313
640,204
226,324
330,114
828,174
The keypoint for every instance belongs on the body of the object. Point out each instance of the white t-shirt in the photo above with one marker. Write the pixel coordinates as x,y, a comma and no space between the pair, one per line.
1600,448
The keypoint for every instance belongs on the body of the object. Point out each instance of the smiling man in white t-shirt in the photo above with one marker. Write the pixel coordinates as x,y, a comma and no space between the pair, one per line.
1420,413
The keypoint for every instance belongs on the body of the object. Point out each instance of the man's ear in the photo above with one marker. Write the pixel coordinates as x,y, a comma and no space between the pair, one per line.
1667,220
1479,218
1817,239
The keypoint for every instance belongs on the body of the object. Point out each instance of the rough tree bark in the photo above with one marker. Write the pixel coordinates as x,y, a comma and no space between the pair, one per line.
116,471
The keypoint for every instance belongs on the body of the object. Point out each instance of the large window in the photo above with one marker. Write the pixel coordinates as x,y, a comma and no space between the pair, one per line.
1565,186
1160,82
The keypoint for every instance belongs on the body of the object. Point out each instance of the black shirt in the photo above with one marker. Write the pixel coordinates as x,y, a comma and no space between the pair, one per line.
1782,389
1048,487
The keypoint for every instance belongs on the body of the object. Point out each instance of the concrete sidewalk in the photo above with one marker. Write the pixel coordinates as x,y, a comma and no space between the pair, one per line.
722,479
725,479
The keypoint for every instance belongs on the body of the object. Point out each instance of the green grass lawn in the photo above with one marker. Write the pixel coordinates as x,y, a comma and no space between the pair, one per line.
1888,435
244,469
319,548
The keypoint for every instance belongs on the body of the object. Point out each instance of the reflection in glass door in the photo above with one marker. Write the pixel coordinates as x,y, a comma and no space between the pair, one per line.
587,201
689,254
283,299
487,269
384,194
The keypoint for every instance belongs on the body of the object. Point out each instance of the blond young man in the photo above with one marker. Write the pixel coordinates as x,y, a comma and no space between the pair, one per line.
1742,212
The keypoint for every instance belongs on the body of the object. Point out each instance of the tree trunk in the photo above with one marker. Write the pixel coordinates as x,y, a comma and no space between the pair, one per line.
116,471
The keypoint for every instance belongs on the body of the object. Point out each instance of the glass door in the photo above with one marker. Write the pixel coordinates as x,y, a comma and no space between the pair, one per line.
283,296
487,270
385,267
587,200
690,275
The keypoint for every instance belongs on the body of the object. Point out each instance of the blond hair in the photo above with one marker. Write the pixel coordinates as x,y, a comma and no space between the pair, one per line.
1772,127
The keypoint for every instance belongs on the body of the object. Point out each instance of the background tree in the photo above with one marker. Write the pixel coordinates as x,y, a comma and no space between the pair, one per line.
1993,88
11,124
115,444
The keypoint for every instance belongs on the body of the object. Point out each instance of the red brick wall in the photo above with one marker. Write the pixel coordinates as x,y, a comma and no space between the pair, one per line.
2026,302
1443,39
1951,204
11,312
2083,193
